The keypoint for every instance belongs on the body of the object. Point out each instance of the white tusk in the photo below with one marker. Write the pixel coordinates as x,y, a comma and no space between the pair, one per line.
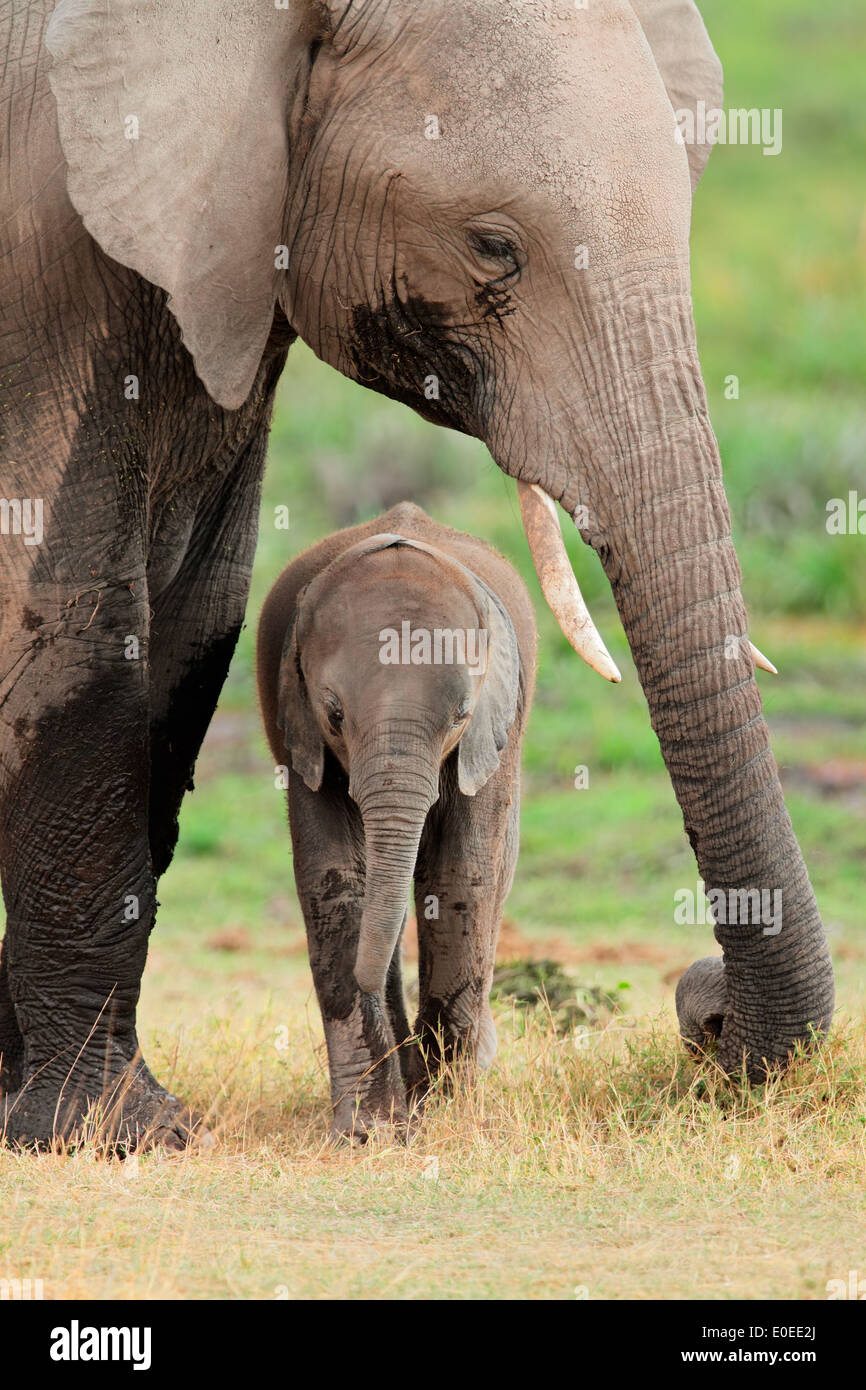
760,660
556,577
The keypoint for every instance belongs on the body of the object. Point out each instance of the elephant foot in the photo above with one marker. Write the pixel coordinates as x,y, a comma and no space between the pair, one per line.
488,1042
428,1065
10,1076
357,1124
367,1091
424,1067
134,1115
375,1105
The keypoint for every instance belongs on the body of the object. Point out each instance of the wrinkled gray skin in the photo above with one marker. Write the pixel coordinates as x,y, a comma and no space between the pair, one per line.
403,258
398,771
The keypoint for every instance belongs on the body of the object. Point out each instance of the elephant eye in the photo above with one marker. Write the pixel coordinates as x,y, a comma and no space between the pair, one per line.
461,714
497,249
334,711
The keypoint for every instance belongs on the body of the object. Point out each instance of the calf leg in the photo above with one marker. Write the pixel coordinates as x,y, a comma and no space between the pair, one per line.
395,998
465,869
328,842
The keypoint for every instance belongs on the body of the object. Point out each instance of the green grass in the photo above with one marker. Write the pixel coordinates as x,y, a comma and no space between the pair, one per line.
616,1167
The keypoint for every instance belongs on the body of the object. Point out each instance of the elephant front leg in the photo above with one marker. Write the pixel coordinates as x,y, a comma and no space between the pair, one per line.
76,870
465,870
195,621
11,1041
367,1088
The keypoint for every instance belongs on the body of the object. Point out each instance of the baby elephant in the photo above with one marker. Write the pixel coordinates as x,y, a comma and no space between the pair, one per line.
396,663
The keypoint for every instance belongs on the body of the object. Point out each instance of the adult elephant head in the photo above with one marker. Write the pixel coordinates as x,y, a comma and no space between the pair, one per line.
481,209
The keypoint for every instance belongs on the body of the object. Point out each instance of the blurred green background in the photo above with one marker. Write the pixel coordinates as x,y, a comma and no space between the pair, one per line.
778,254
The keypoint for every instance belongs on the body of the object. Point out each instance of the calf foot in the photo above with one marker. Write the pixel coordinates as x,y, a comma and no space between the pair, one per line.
357,1121
444,1043
367,1090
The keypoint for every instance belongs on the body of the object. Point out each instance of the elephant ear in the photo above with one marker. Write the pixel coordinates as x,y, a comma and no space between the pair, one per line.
478,751
173,118
687,61
295,715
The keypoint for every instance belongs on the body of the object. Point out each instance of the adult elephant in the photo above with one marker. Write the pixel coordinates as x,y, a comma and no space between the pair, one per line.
479,209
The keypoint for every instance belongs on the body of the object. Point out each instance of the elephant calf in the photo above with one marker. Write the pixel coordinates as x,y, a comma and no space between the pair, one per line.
396,663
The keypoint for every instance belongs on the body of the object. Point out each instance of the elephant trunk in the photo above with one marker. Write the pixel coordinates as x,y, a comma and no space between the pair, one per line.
395,781
676,581
653,504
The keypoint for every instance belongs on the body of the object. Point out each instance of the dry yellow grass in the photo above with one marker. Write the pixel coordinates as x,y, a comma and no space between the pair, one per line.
605,1168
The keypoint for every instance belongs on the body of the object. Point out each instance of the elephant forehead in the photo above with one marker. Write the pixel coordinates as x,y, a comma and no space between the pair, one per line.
565,104
389,587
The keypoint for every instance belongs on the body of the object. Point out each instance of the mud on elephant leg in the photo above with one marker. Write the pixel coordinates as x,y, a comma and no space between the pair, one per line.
194,628
460,893
366,1083
76,937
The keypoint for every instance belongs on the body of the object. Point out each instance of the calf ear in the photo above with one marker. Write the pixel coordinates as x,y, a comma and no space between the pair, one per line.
687,61
295,715
174,119
480,747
